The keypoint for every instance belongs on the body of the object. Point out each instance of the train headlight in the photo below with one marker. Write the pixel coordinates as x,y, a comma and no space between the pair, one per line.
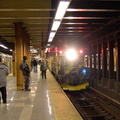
71,54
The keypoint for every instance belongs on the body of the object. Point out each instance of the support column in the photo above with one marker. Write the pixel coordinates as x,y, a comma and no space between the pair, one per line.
111,81
28,50
26,46
91,69
94,59
111,62
104,64
41,53
117,86
99,63
19,54
42,47
13,62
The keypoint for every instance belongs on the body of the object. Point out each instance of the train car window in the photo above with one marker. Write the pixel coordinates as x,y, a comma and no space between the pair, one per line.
7,59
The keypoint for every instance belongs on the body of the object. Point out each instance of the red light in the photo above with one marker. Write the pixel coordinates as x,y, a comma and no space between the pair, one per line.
81,51
56,49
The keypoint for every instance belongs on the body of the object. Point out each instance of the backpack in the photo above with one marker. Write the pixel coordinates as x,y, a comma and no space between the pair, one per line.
21,66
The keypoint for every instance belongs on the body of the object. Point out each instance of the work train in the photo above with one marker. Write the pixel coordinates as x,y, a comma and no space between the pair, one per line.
7,59
70,68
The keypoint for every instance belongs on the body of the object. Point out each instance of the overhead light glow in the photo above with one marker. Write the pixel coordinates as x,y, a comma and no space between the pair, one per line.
3,46
71,54
50,39
48,44
62,7
55,25
52,34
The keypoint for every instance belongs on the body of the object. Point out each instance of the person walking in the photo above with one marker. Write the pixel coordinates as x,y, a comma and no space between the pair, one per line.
26,73
34,64
3,83
43,69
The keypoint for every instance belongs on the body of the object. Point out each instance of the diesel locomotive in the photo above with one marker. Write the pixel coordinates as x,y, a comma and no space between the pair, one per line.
69,68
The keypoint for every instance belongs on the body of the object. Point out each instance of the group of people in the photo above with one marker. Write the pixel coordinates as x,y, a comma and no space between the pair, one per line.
4,71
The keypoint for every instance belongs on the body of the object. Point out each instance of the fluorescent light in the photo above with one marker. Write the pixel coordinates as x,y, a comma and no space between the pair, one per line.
3,46
48,44
52,34
46,50
55,25
62,7
50,39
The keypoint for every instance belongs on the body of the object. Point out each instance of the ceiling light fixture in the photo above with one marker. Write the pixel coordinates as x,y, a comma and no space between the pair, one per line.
52,34
3,46
55,25
62,8
50,39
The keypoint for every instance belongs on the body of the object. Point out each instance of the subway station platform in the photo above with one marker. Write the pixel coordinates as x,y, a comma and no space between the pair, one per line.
45,101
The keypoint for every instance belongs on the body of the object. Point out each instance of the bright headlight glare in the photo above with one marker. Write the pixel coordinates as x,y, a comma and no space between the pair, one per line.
71,54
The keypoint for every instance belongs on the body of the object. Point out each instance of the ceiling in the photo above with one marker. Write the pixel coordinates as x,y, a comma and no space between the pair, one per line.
84,22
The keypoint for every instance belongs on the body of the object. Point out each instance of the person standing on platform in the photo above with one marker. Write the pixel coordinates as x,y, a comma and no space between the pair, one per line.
34,64
26,73
43,69
3,83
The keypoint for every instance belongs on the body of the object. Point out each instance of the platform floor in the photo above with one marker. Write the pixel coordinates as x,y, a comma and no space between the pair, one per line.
45,101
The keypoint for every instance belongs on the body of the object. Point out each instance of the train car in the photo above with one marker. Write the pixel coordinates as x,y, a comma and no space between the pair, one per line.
7,59
69,69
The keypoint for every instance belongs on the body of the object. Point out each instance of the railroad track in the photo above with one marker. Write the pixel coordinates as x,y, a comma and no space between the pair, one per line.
94,106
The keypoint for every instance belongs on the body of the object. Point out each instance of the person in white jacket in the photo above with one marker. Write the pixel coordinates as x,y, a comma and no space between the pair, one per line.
3,83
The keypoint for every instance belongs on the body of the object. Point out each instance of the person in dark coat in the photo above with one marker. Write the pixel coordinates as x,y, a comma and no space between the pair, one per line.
3,73
43,69
34,64
26,72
